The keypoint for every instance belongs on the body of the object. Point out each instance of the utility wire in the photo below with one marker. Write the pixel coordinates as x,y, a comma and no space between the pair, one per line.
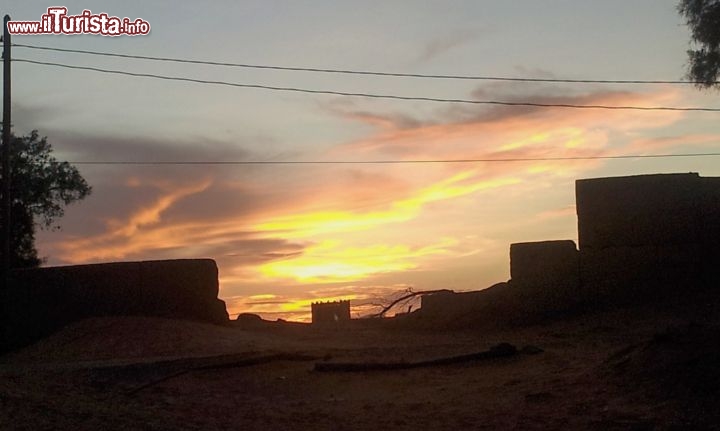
368,95
358,72
387,162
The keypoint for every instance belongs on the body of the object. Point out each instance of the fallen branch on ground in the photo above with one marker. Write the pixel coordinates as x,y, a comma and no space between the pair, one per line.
501,350
222,362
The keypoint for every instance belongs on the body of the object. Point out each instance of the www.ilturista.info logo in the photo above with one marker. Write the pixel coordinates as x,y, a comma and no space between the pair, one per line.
57,21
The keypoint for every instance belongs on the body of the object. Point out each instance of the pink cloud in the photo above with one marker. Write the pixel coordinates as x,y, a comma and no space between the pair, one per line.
462,132
653,145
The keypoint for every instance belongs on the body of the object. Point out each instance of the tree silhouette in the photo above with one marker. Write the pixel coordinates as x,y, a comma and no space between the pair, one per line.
703,18
41,187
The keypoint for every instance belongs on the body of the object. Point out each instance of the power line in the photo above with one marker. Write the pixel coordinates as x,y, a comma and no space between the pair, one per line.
386,162
368,95
358,72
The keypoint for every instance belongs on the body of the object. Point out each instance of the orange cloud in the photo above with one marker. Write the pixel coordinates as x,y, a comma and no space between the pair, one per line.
131,232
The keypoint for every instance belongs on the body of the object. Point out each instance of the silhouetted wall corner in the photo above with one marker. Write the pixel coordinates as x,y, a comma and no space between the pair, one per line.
493,304
544,264
437,302
648,233
330,312
643,210
43,300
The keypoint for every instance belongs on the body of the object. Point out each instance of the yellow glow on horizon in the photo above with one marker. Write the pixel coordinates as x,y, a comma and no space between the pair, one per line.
575,137
451,188
262,297
328,262
538,169
333,262
537,138
568,137
312,224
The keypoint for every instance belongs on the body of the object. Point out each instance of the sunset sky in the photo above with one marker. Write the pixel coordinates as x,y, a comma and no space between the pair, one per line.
287,235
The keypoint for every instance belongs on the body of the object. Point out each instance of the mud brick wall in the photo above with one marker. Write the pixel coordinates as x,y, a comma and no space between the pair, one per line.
40,301
710,228
639,210
632,274
441,302
648,233
544,264
501,304
440,306
546,274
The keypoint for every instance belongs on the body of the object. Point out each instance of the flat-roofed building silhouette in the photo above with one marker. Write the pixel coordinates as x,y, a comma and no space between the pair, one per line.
636,234
330,312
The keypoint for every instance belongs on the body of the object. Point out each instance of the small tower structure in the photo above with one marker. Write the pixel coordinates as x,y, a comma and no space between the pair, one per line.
330,312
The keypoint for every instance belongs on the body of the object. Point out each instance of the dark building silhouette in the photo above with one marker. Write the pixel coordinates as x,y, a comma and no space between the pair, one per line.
647,210
636,234
330,312
652,232
641,239
545,263
39,301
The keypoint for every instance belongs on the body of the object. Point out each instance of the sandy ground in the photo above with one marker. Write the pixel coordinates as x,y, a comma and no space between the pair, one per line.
625,370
